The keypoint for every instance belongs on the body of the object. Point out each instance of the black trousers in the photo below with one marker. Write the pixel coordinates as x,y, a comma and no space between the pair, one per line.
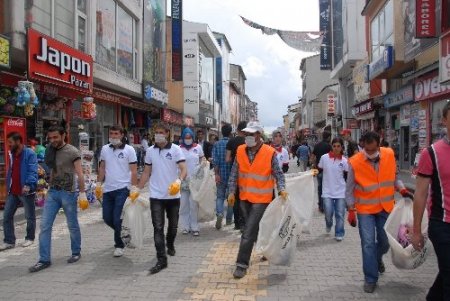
158,208
239,221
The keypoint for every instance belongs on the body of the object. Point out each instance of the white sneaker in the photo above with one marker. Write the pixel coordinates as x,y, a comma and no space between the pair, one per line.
118,252
5,246
339,238
27,243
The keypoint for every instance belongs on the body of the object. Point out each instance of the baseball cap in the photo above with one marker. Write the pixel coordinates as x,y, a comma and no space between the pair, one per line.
253,127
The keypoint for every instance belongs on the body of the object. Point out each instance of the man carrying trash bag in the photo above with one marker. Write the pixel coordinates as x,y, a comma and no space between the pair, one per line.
371,182
434,170
255,171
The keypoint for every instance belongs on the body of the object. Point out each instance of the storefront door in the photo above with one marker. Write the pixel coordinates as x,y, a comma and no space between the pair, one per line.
404,148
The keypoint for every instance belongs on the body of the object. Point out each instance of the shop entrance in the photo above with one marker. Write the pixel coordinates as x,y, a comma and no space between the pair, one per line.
405,151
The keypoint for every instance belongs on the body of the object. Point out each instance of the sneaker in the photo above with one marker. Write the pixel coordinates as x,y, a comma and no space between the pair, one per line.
228,223
328,230
118,252
339,238
196,233
185,232
239,272
27,243
158,267
237,228
39,267
381,267
171,251
74,258
369,287
5,246
219,222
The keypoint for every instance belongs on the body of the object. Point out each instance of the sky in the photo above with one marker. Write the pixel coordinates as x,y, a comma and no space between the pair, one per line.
271,67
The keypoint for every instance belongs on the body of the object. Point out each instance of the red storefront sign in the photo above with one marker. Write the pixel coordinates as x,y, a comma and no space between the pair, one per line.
425,18
171,117
54,62
352,124
331,110
428,86
363,107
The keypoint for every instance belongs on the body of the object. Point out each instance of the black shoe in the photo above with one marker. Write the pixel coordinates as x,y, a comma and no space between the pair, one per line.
158,267
264,258
228,223
171,251
369,287
239,273
74,258
39,266
236,227
219,222
381,267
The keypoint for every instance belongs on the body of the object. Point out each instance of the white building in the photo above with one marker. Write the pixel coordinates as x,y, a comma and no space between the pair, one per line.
223,79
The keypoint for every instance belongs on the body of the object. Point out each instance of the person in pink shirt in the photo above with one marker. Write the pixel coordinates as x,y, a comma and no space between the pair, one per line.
433,192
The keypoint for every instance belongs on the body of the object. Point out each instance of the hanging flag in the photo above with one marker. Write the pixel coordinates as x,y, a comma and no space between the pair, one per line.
308,41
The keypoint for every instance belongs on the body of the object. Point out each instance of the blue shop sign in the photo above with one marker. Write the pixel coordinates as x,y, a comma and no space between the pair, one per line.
383,63
399,97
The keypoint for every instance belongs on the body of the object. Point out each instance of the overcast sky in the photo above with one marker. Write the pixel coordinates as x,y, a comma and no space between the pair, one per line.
271,67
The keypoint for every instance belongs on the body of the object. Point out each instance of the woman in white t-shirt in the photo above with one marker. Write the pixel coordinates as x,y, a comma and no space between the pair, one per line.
188,207
335,168
282,153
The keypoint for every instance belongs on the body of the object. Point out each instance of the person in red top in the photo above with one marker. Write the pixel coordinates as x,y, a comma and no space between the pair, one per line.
21,182
434,170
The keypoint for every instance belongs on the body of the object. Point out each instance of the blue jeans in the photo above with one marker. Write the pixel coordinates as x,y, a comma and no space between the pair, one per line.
12,202
221,197
335,207
374,243
113,202
57,199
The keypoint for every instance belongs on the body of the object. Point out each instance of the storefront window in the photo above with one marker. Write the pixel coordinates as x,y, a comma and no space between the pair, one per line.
125,43
437,127
106,34
64,20
382,29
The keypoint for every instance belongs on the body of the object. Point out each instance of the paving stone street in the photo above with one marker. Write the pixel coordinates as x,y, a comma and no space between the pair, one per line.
201,270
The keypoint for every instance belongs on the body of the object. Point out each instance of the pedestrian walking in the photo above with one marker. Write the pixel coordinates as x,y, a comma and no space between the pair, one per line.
334,167
303,154
116,181
193,153
434,173
222,170
350,146
206,146
21,183
371,182
165,166
282,153
64,160
256,169
320,149
232,147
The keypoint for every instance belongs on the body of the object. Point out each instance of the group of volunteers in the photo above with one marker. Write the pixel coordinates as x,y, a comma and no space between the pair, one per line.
358,178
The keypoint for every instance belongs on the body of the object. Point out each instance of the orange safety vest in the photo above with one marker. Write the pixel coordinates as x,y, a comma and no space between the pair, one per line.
255,179
374,192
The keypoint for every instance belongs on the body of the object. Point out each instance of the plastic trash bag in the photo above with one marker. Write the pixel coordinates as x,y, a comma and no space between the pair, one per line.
401,217
202,185
279,231
134,218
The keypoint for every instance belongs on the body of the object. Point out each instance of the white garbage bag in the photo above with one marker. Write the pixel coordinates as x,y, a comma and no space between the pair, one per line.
279,230
303,194
134,218
401,216
202,185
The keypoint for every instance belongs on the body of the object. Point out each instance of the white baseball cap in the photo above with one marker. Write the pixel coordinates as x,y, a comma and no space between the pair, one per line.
253,127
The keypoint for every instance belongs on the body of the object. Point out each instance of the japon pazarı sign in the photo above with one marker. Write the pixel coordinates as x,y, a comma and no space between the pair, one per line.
52,61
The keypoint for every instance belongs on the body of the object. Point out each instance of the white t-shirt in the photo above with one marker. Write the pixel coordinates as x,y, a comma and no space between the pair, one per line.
333,183
165,170
282,157
144,143
192,156
117,166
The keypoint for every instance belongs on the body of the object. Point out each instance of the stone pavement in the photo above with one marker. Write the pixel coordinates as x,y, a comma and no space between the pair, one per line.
201,270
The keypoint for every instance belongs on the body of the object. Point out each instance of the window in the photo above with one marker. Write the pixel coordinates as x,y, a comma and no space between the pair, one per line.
116,39
382,30
81,37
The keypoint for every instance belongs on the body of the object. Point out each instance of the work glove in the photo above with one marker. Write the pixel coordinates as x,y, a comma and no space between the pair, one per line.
231,199
314,172
82,201
406,194
98,190
134,193
175,187
351,218
284,195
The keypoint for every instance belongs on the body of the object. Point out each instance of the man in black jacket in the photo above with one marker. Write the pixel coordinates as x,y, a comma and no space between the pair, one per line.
320,149
206,146
350,146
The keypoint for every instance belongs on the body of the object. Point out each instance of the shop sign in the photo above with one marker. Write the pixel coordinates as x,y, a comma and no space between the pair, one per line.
361,86
363,108
171,117
331,105
5,52
325,27
352,124
107,96
402,96
383,63
155,94
444,58
425,19
52,61
177,37
428,86
405,115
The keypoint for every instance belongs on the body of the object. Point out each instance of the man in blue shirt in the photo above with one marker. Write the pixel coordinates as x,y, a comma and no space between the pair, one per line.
303,153
222,170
